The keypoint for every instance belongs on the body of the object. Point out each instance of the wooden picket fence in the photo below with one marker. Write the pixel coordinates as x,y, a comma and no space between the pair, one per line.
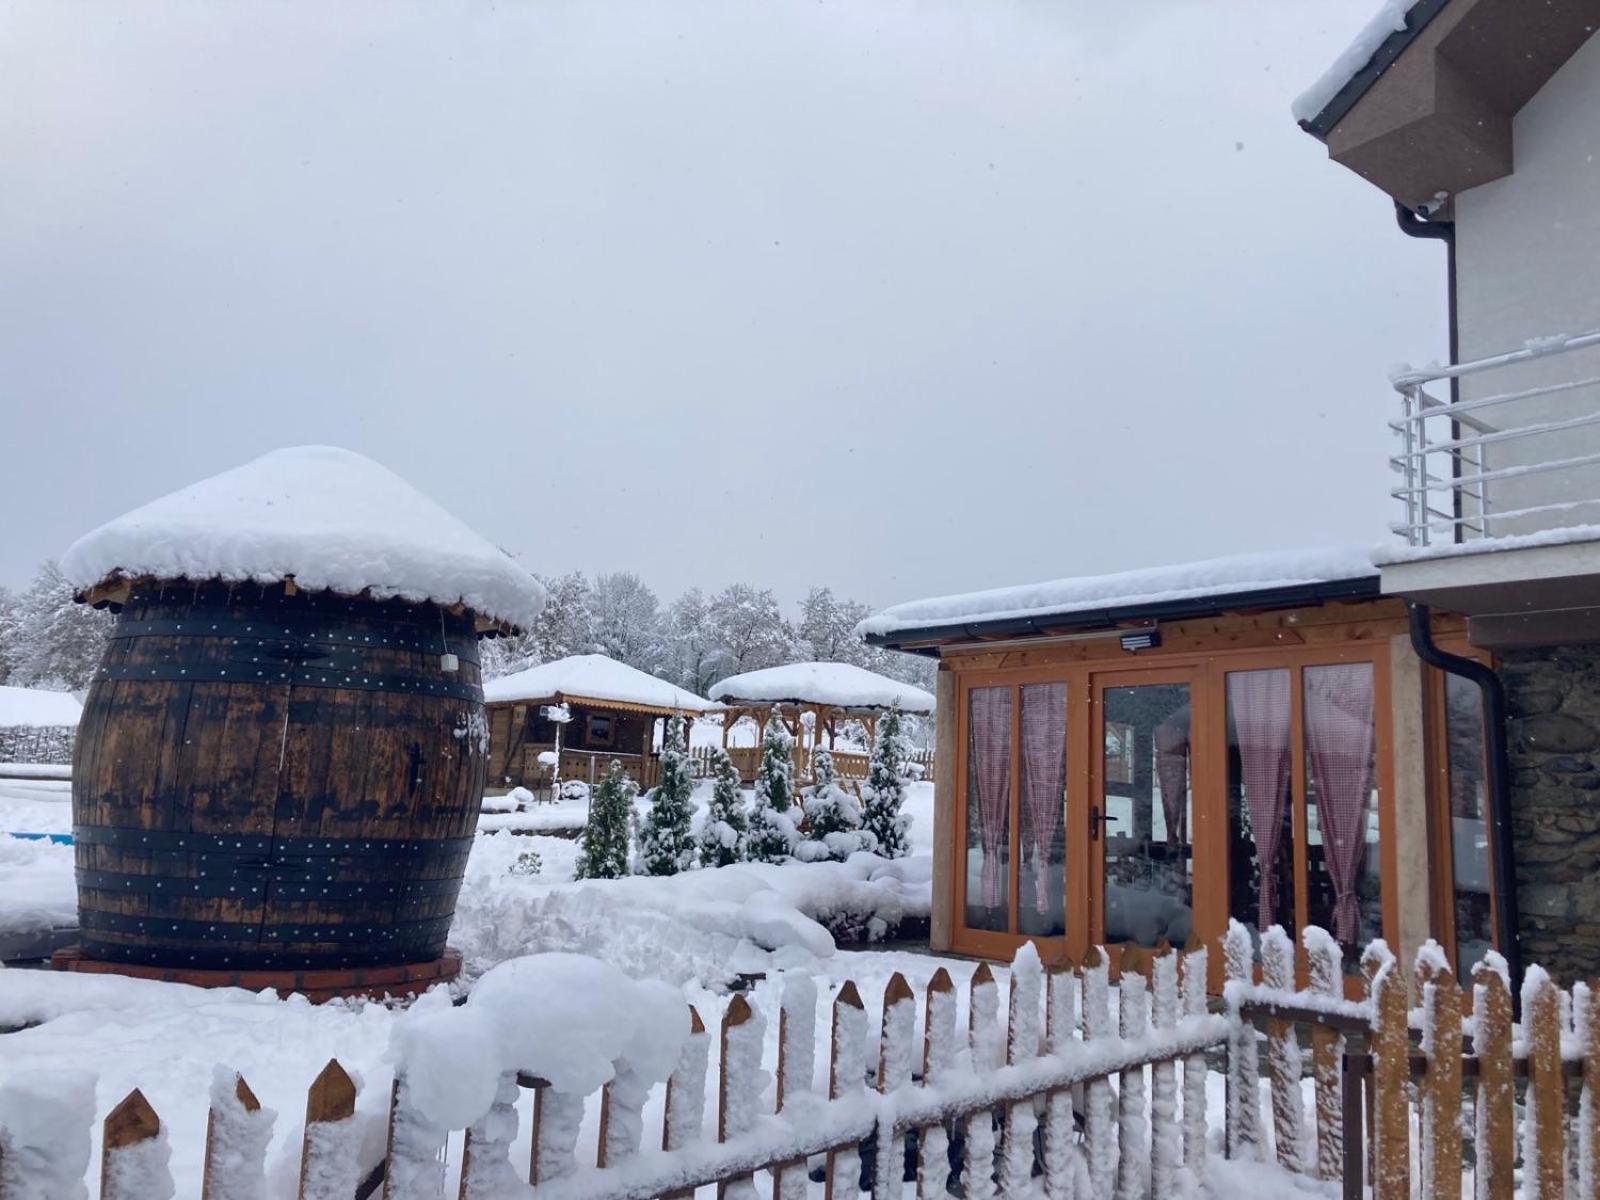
1428,1091
1424,1090
1051,1047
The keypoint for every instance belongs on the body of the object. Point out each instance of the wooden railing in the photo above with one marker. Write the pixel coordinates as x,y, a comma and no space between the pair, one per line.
848,765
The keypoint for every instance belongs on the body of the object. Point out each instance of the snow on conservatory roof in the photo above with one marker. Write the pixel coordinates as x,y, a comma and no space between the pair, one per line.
837,685
593,677
331,518
1100,598
37,707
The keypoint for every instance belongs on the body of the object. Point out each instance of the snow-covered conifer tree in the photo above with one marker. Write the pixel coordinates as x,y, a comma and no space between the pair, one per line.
604,844
833,816
886,789
722,839
772,831
665,845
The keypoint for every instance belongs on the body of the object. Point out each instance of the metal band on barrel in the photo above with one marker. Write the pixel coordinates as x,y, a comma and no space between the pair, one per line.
274,885
322,676
310,630
279,851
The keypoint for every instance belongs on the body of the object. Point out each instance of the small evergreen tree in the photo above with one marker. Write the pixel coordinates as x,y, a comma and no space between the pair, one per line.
722,840
772,831
604,845
833,816
665,844
886,789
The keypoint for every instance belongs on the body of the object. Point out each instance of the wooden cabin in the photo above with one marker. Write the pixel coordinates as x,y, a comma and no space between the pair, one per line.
613,712
830,693
1137,759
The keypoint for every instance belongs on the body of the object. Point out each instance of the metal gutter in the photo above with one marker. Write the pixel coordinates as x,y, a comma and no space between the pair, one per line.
1304,595
1382,59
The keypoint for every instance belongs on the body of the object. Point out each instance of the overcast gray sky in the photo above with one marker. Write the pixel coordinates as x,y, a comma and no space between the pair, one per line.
903,297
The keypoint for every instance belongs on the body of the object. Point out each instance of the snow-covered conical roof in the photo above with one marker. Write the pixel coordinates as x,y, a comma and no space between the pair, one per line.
331,518
593,677
837,685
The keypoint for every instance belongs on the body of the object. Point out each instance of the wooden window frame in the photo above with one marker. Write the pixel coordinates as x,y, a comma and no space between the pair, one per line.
1208,782
589,739
1441,842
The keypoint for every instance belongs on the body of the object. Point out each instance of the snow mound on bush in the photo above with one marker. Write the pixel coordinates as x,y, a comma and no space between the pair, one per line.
562,1017
700,925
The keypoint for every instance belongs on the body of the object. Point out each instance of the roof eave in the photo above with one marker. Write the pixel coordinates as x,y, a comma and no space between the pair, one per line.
1347,97
926,639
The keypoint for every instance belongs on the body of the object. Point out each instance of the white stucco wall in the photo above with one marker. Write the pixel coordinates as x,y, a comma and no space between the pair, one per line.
1528,265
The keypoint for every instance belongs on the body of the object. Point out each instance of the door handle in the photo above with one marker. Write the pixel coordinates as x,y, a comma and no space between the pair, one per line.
1097,818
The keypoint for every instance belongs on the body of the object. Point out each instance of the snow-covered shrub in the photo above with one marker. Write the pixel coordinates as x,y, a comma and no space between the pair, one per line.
722,838
527,863
772,829
499,804
604,842
522,798
886,789
575,791
665,844
833,816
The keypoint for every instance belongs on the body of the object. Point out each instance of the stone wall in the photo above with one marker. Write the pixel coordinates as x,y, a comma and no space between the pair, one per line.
1554,701
37,743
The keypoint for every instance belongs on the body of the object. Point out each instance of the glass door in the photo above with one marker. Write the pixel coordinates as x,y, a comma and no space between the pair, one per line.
1142,829
1012,881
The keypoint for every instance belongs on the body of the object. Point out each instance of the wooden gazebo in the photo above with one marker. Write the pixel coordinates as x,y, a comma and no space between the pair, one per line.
831,692
612,710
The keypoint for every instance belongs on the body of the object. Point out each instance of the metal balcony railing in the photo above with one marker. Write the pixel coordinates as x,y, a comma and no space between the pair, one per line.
1516,452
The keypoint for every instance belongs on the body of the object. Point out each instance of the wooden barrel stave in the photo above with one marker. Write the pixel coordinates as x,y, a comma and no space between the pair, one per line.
287,767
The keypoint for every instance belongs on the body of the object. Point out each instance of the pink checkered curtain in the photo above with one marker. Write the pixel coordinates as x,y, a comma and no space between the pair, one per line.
1172,771
990,750
1044,755
1259,702
1338,719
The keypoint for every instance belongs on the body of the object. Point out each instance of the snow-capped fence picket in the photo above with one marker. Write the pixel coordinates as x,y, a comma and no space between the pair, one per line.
1417,1089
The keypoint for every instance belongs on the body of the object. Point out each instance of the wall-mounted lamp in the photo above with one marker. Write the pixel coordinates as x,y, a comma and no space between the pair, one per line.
1141,639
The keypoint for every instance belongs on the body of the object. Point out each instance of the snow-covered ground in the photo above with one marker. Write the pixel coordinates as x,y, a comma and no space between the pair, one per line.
698,931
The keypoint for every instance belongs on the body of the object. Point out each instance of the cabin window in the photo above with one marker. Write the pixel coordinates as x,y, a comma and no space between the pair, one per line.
1149,886
1345,894
1303,833
1140,803
988,866
599,731
1042,788
1261,819
1466,820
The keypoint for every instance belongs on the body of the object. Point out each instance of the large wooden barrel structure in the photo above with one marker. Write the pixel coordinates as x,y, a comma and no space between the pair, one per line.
267,779
270,777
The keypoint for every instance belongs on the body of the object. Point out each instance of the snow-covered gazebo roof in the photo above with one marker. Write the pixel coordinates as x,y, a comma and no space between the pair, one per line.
330,519
37,708
596,680
822,684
